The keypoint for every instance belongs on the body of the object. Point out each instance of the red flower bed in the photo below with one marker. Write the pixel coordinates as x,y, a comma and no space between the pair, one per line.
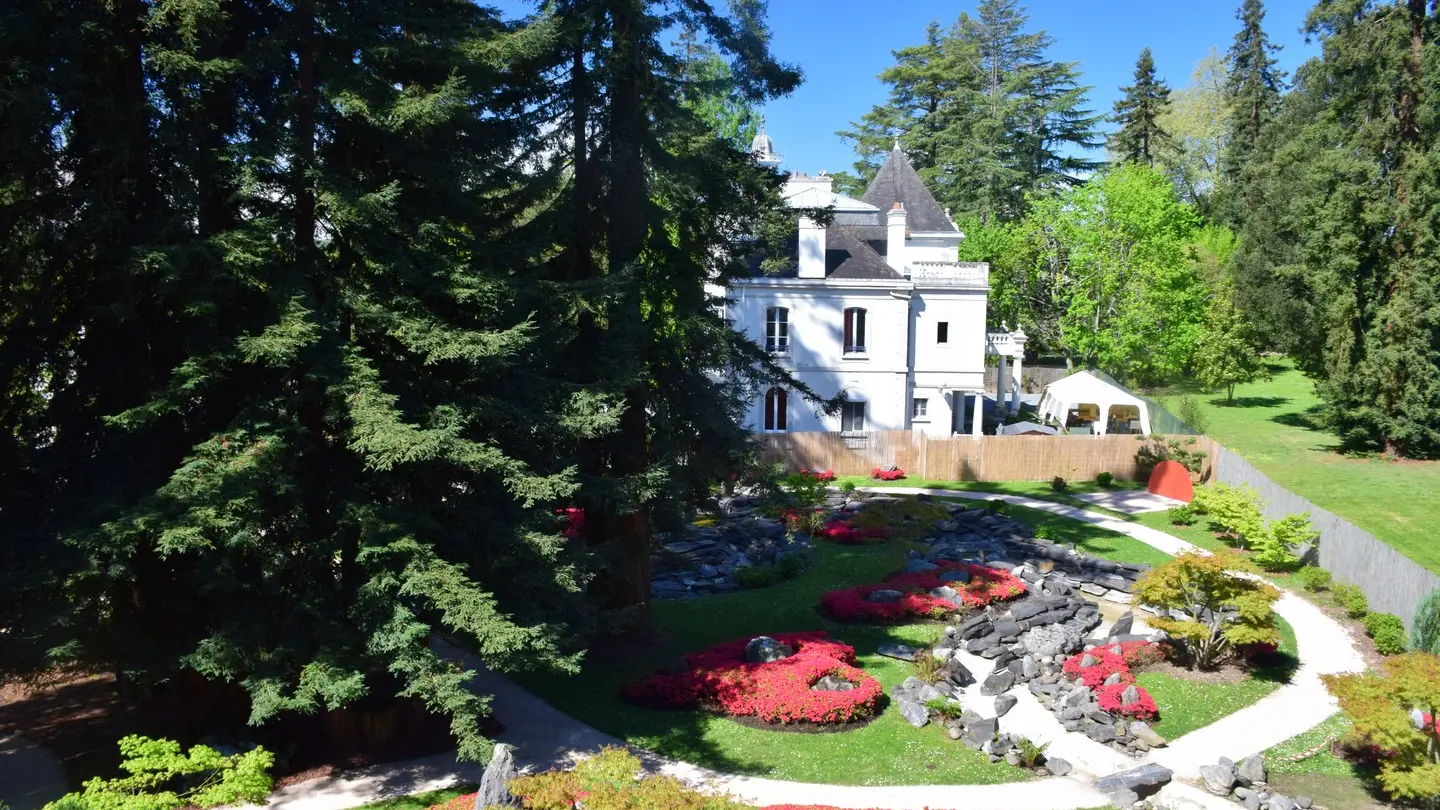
1143,708
986,585
819,475
1107,663
777,692
846,533
574,521
887,475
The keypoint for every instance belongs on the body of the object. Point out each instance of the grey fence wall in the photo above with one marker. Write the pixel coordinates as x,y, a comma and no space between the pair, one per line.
1391,581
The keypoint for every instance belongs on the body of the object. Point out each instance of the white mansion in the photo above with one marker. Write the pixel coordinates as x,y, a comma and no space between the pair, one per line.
875,307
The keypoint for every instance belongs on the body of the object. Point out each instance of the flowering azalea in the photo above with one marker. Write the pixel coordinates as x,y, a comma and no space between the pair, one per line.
985,585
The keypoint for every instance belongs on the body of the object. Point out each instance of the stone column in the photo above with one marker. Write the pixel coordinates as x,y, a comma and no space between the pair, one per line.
1015,388
1002,383
977,418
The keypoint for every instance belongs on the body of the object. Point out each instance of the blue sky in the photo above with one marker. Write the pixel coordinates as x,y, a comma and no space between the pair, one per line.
842,45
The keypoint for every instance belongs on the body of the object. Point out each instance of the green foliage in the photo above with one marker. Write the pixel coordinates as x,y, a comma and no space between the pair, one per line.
1313,578
847,488
1058,484
1031,753
1379,704
805,491
160,775
1046,532
944,707
1183,515
1388,632
909,518
789,566
995,506
1351,598
1154,450
1233,511
1140,138
1425,627
614,779
1276,547
1104,479
928,668
1203,588
1196,122
1226,354
1192,414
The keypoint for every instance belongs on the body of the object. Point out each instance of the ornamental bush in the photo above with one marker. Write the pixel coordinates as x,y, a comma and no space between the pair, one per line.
1352,599
986,585
1380,706
720,678
846,533
1200,587
162,776
1388,632
1058,484
1096,665
1104,479
1425,627
1183,515
1233,511
1313,578
1110,698
823,476
1277,546
614,779
887,475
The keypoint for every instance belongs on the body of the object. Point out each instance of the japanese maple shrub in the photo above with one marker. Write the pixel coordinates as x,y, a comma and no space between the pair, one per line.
921,594
1221,612
720,678
1380,704
161,775
613,779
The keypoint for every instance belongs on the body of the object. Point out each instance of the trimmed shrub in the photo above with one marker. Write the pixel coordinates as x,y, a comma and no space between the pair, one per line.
1233,511
995,506
1058,484
847,488
614,779
1277,546
1183,515
1313,578
1352,599
1388,632
1425,628
1104,479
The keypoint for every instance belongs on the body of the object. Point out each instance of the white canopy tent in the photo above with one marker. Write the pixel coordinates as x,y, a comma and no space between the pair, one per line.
1094,397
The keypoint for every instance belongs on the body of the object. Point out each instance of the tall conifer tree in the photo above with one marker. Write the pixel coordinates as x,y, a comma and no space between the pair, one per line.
1140,138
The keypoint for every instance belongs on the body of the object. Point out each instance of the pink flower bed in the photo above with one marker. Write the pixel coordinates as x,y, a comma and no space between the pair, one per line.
819,475
1107,663
887,475
986,585
574,518
777,692
846,533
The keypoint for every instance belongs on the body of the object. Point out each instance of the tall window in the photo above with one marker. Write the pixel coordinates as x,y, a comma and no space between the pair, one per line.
942,332
777,330
852,416
775,410
854,331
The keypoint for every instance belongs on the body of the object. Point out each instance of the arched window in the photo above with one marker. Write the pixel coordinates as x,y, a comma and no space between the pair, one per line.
777,330
855,331
775,410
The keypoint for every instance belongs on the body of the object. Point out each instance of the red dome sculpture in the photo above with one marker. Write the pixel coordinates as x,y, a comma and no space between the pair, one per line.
1171,479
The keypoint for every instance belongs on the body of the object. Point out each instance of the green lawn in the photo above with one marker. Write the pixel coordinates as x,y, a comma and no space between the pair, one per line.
1274,425
1330,781
420,801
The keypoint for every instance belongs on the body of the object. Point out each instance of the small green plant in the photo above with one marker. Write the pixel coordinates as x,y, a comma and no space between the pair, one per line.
1058,484
1154,450
1046,532
946,708
1351,598
757,576
1276,547
1192,414
806,491
614,779
995,506
847,488
162,776
792,564
1104,479
1388,632
1183,515
1031,753
1313,578
927,667
1425,627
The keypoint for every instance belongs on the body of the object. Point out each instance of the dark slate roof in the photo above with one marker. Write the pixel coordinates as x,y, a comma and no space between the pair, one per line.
897,181
848,254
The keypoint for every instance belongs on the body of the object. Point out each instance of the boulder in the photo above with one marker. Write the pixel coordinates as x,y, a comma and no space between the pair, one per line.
1004,703
832,683
957,673
998,682
953,732
1219,779
920,567
914,713
1123,625
946,592
498,773
1141,730
1124,798
763,649
884,595
1280,802
1042,641
1099,732
1250,770
1057,766
1304,802
1006,628
1144,779
898,651
981,731
1129,695
1251,802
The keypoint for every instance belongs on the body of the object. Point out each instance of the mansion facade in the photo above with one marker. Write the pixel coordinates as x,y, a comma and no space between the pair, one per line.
877,308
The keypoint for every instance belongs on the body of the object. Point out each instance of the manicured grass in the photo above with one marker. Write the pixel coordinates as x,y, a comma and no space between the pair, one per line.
1274,425
419,801
1186,705
1326,778
887,752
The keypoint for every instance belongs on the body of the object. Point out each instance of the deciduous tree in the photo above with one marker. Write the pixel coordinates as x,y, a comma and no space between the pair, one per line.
1221,609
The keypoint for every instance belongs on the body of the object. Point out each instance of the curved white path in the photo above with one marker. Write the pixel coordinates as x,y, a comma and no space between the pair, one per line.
545,737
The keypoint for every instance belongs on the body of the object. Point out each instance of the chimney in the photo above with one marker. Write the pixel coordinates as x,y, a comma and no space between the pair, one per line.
812,249
895,238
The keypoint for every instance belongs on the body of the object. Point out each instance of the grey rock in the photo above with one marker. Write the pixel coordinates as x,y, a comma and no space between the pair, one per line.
1124,624
1250,770
1073,713
945,592
498,773
953,732
1088,660
980,732
1076,697
957,673
1219,779
1141,730
1280,802
998,682
1012,758
955,576
1004,703
1129,695
1138,779
920,567
832,683
899,651
1112,679
1103,718
1006,628
884,595
1241,792
1251,802
1028,668
1027,608
763,649
1099,732
1041,689
914,713
1093,589
1042,641
1304,802
1057,766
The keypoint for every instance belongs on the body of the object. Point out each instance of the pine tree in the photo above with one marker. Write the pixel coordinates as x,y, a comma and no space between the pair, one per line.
1140,138
1254,91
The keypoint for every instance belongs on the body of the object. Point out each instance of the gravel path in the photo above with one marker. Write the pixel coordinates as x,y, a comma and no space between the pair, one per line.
544,737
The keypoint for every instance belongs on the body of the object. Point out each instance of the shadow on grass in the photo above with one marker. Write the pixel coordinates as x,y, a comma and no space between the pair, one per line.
1308,419
1278,667
1250,402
